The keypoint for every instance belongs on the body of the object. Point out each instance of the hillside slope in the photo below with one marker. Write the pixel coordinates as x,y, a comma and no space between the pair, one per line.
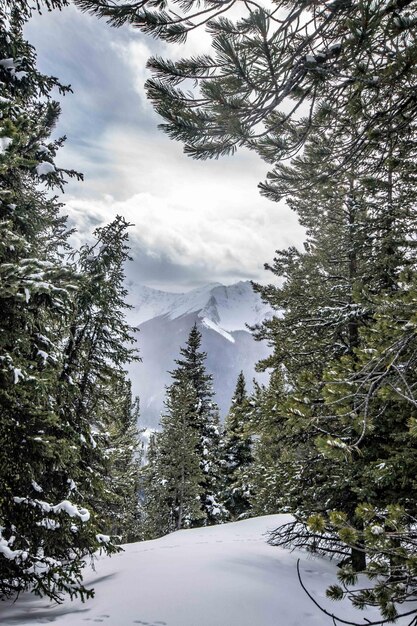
218,576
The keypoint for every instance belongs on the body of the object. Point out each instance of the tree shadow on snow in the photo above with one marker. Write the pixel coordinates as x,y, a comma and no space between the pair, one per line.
42,616
46,613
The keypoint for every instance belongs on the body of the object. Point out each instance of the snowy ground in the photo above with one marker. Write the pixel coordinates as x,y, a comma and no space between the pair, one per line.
217,576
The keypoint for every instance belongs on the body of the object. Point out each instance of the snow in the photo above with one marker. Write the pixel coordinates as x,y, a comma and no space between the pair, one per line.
43,150
45,168
70,509
36,487
8,64
150,303
20,75
223,575
44,355
9,554
49,524
17,374
209,324
71,485
5,143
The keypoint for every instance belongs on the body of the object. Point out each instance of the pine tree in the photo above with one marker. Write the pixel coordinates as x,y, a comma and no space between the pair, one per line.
380,387
51,396
271,467
346,342
237,453
154,505
354,58
174,475
205,422
45,532
96,353
345,418
123,454
320,313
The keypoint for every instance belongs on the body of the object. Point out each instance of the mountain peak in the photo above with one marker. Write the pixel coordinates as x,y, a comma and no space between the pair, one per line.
226,308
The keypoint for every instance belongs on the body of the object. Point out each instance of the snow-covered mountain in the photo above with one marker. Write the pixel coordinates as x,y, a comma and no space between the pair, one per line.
164,320
223,308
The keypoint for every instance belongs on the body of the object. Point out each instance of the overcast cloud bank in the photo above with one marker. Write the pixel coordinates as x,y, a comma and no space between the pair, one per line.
194,222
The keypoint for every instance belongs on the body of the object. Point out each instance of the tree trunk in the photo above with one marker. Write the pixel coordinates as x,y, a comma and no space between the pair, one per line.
358,558
181,499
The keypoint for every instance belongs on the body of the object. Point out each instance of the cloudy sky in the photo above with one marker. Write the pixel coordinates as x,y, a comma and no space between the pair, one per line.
194,222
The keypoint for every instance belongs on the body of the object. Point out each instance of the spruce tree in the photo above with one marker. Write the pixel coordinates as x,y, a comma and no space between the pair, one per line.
237,453
45,531
173,477
52,452
154,505
123,454
269,472
205,422
98,396
345,342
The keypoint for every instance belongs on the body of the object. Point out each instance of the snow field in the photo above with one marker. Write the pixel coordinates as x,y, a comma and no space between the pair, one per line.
217,576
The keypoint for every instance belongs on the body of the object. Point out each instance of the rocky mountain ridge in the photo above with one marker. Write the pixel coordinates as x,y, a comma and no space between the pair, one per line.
164,320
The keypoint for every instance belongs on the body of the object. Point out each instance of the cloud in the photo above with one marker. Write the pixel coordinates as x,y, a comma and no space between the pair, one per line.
102,65
135,54
194,221
204,220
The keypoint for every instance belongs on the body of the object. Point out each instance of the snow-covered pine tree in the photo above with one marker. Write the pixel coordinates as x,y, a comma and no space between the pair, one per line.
206,423
178,488
348,360
52,456
237,453
98,397
269,471
155,511
123,457
382,445
317,324
45,531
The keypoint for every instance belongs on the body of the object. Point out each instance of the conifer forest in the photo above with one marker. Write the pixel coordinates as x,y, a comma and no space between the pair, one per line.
324,93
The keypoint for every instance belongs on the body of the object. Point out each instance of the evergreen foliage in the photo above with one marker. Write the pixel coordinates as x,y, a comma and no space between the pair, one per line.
182,479
96,353
191,367
336,428
279,70
43,535
345,338
120,508
62,346
268,473
237,453
173,477
154,506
